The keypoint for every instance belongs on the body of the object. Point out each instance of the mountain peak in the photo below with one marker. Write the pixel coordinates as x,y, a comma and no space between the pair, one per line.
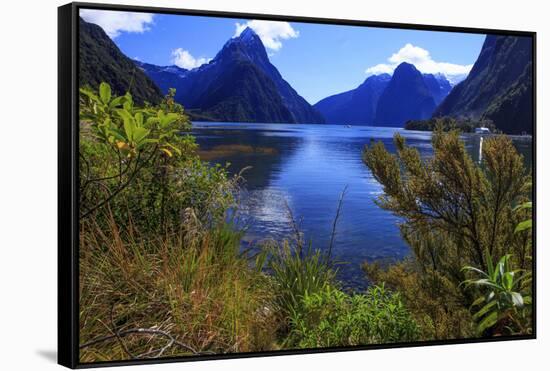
247,42
248,34
405,67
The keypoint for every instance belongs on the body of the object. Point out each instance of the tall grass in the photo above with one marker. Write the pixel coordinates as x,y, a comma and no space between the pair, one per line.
297,271
192,285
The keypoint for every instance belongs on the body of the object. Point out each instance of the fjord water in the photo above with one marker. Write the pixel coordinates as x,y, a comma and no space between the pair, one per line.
307,167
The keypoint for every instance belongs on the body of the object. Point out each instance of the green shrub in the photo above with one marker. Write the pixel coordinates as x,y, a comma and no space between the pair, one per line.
139,162
452,212
297,272
505,304
332,318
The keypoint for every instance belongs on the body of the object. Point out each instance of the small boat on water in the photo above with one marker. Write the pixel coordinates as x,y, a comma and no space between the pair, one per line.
348,126
482,130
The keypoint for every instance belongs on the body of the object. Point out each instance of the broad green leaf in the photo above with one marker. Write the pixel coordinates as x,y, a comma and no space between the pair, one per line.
525,205
488,322
128,104
517,299
139,134
508,280
526,224
480,313
116,102
139,118
105,92
167,119
129,127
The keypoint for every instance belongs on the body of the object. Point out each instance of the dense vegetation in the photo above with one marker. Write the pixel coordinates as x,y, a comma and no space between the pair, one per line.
459,218
465,125
101,60
162,271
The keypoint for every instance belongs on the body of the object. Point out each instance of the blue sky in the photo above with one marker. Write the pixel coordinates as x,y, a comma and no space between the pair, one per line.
317,60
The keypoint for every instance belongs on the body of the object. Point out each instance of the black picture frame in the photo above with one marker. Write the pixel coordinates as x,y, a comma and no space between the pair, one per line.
68,142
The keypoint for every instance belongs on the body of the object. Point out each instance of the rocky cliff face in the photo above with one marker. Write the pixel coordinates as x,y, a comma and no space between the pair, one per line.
498,88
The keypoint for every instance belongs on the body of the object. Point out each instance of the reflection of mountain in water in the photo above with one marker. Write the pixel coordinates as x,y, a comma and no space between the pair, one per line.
261,154
305,167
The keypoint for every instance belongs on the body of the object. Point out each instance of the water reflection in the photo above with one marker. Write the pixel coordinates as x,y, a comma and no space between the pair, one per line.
305,168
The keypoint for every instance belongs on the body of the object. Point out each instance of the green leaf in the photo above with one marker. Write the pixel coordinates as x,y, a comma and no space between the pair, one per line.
167,119
128,104
105,92
117,134
140,133
489,261
485,309
517,299
176,149
525,205
478,301
526,224
473,269
90,94
129,127
139,118
117,102
488,322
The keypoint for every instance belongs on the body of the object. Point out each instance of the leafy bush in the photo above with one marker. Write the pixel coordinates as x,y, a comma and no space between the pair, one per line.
453,211
332,318
138,162
435,302
160,271
505,307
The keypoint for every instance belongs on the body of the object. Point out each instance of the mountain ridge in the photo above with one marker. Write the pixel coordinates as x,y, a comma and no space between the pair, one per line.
499,84
199,89
102,61
408,87
356,106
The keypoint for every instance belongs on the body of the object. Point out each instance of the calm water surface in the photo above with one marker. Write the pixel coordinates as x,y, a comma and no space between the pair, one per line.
307,167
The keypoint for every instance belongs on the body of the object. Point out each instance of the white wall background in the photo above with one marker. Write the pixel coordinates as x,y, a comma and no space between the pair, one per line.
28,182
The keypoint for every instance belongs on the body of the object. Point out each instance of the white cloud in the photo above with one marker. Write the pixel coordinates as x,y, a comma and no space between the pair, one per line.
379,69
270,32
115,22
423,61
182,58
